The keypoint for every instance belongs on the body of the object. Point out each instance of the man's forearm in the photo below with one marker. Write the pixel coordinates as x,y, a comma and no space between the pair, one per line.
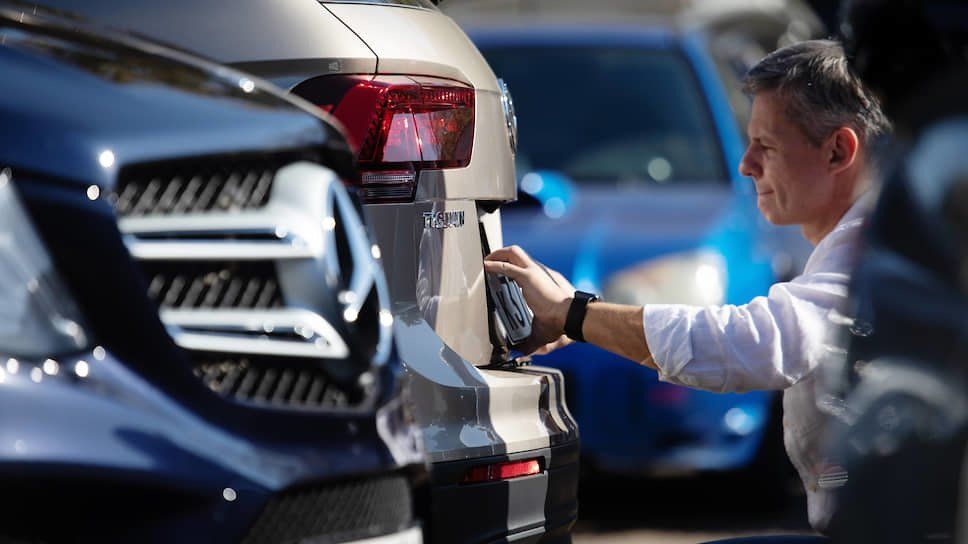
618,328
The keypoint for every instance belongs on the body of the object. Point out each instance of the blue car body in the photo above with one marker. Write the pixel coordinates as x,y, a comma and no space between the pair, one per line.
117,440
631,422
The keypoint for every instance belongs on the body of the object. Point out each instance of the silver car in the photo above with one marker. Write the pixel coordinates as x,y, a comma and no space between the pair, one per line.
435,131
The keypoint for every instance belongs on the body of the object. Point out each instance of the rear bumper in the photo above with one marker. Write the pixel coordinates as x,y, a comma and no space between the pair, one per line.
539,508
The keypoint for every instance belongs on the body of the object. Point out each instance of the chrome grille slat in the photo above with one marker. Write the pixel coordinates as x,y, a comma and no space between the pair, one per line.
283,387
214,236
268,294
266,384
168,198
250,379
262,189
188,196
226,196
315,391
198,186
194,291
216,284
227,383
231,293
264,381
248,296
208,191
299,390
246,188
214,292
147,199
174,291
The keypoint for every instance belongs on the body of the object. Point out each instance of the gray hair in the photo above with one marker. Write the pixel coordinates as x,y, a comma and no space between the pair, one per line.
820,91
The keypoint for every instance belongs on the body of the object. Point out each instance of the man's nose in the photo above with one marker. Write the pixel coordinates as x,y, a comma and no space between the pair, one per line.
748,166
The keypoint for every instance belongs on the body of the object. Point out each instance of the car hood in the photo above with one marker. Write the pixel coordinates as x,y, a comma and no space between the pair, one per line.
607,230
71,94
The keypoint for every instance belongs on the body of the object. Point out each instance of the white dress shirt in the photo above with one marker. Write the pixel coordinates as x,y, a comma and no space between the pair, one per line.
773,342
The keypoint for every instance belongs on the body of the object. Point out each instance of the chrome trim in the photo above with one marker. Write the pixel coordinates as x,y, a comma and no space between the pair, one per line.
409,536
256,332
510,115
203,250
297,232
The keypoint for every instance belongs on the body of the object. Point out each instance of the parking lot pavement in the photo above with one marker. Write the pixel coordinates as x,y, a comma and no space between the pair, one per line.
643,511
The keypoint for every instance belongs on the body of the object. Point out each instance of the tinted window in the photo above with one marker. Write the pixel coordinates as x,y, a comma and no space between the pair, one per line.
607,115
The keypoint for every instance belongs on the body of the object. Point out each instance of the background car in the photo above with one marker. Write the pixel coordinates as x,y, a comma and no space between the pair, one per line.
435,141
629,151
163,377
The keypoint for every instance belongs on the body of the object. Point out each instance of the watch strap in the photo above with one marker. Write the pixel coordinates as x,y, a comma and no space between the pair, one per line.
575,318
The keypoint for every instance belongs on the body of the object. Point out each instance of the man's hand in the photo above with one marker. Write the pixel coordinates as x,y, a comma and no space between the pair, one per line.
614,327
547,293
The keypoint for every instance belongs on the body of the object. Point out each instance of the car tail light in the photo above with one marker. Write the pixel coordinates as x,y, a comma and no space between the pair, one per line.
502,471
401,125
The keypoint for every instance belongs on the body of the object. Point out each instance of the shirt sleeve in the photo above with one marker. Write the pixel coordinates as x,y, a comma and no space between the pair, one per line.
770,343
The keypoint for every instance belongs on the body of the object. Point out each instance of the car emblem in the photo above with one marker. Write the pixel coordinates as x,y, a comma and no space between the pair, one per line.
443,220
510,117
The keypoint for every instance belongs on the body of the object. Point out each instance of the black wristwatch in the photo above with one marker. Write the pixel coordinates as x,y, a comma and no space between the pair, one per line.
576,315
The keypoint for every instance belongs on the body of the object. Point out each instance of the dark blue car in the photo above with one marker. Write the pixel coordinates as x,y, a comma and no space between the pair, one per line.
136,181
628,159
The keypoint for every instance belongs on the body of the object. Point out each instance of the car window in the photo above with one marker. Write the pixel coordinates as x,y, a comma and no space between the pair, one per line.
610,115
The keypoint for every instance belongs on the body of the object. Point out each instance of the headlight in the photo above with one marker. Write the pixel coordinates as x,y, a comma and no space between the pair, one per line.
38,317
697,278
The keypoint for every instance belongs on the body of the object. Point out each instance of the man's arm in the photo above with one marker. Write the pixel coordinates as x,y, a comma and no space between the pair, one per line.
769,343
614,327
618,328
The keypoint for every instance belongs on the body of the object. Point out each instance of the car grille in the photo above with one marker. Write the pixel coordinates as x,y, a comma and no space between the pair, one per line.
215,284
339,512
197,186
217,238
268,381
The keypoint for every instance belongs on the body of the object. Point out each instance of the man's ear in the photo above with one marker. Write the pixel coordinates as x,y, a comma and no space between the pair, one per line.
843,147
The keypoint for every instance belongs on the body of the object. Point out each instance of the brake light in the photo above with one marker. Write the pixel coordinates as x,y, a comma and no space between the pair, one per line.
502,471
402,125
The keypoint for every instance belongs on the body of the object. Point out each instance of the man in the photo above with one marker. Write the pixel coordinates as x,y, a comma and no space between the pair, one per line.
811,127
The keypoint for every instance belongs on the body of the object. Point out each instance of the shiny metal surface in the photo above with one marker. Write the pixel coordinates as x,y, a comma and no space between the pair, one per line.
306,207
287,332
231,31
510,114
417,42
465,411
410,536
437,271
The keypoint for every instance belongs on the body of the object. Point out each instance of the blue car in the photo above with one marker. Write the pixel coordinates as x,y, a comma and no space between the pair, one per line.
629,153
133,181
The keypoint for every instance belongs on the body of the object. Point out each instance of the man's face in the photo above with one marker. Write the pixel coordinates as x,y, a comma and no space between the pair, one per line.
793,184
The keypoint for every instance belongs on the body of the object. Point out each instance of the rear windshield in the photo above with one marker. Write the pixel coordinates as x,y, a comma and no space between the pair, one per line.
610,115
412,3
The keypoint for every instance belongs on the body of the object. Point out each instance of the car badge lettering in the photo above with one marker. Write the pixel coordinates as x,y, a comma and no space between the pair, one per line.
443,220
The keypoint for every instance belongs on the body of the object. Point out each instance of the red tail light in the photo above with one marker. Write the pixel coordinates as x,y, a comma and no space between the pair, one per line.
502,471
402,125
